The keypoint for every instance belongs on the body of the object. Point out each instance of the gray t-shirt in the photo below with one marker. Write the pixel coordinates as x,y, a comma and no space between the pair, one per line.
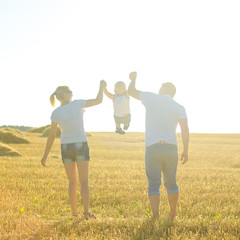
162,116
70,120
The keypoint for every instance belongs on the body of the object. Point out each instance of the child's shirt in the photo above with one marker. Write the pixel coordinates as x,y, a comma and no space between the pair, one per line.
121,105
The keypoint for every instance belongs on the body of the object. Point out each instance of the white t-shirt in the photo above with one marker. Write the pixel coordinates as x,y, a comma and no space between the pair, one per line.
162,116
121,105
70,120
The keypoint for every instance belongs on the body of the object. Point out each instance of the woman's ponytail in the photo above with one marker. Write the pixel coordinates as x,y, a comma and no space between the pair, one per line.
58,94
52,99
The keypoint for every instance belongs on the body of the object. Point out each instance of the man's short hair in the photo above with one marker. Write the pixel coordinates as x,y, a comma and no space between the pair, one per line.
168,88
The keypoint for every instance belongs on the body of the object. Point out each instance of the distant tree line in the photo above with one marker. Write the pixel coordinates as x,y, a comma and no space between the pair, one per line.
21,128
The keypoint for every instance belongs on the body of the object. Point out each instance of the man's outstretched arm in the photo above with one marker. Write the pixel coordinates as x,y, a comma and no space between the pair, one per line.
185,139
132,91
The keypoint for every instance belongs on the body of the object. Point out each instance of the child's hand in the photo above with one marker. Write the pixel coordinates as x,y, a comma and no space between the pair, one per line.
103,84
133,76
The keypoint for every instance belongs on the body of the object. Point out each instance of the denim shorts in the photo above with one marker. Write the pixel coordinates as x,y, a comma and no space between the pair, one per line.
161,158
123,120
75,152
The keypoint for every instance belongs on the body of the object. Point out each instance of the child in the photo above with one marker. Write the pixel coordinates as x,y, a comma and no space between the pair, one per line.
121,105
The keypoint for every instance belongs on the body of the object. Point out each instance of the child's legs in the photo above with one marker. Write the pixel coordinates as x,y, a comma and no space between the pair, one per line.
126,121
117,121
71,171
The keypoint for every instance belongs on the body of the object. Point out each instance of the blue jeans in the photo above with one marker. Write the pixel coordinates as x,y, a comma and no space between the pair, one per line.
75,152
161,158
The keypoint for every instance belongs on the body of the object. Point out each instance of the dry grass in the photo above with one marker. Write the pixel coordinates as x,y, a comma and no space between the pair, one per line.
14,131
8,135
46,129
46,132
34,201
5,150
39,129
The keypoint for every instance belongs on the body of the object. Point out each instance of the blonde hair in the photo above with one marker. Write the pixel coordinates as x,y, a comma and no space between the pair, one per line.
59,94
168,88
120,84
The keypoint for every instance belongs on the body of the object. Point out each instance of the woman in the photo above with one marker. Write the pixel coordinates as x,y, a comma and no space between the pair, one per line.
74,144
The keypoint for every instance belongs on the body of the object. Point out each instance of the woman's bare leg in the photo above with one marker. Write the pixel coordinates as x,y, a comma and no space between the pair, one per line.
83,169
71,171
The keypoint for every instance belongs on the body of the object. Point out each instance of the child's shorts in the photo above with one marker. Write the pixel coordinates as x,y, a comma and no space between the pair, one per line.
123,120
75,152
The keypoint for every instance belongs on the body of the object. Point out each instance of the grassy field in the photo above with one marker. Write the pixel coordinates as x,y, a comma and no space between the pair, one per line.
34,200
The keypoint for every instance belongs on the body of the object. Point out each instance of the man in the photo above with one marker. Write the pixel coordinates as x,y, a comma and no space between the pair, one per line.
162,117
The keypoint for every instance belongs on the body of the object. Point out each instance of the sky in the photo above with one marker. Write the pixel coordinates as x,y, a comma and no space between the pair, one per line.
193,44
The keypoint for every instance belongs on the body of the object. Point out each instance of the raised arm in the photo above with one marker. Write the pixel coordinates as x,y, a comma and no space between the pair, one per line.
132,91
50,140
107,93
98,99
185,139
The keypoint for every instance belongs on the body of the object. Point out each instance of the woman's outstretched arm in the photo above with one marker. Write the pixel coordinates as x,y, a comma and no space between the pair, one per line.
50,140
107,93
98,99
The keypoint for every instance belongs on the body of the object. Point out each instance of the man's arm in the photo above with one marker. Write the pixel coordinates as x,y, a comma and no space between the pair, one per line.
185,139
98,99
132,91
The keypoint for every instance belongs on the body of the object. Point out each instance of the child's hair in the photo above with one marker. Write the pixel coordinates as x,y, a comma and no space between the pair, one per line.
120,84
59,94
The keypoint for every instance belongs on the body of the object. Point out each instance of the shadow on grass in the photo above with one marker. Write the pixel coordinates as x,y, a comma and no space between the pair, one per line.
67,225
154,230
164,230
130,229
110,228
135,229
